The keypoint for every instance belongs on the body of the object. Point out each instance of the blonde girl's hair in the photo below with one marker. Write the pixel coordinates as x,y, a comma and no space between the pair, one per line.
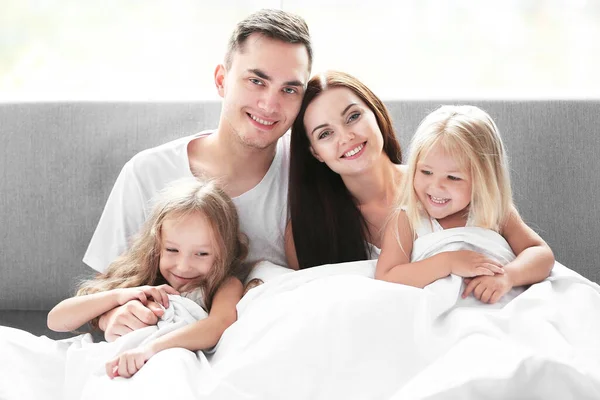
470,135
139,265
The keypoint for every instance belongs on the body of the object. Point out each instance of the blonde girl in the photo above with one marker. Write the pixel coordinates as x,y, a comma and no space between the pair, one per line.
191,244
459,177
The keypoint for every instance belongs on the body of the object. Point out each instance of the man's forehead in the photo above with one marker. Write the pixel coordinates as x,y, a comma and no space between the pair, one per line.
268,55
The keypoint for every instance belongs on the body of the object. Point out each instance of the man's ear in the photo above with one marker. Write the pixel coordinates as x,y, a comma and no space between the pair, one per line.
314,153
220,73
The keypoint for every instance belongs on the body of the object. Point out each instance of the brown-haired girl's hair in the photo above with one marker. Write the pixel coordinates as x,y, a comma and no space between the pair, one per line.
327,225
139,265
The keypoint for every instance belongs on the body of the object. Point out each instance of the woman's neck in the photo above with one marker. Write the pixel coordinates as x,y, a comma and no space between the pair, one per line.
377,185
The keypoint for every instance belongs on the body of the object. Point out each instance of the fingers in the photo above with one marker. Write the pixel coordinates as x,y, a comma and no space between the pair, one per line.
495,268
169,289
110,367
470,287
482,271
160,296
486,294
155,308
139,316
495,297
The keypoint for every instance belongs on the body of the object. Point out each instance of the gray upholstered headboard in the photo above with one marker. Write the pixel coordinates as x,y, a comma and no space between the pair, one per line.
60,160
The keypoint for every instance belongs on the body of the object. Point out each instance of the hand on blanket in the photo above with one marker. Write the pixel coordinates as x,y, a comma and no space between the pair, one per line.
129,317
160,294
129,362
488,289
467,263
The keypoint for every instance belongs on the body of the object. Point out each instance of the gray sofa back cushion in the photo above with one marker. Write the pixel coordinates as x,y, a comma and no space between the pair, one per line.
60,160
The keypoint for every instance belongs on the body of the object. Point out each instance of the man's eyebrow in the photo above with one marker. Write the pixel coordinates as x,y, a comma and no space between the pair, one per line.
263,75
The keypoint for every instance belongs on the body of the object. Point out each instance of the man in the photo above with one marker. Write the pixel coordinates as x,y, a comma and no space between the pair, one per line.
262,83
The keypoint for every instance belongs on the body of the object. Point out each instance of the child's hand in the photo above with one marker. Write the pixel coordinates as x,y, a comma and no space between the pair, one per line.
128,363
488,289
467,263
160,294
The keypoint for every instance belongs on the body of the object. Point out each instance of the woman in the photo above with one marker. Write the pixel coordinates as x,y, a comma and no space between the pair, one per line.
345,173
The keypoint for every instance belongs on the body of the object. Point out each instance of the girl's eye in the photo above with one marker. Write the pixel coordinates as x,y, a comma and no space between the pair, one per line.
425,172
353,116
202,254
324,134
290,90
453,178
171,250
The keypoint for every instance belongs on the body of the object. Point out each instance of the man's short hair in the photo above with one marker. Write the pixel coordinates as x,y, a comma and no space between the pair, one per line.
275,24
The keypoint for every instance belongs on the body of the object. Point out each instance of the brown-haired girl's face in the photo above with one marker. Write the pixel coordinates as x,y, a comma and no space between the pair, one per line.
187,250
343,131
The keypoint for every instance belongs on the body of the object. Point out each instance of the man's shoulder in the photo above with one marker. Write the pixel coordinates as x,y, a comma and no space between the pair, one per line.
166,154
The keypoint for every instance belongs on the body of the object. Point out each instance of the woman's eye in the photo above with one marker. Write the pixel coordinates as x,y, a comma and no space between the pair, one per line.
324,134
353,116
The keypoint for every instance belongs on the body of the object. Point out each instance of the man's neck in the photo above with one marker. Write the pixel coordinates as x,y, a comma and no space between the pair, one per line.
238,166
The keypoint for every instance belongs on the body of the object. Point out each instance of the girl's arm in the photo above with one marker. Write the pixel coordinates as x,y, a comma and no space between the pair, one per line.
74,312
290,248
200,335
394,261
534,259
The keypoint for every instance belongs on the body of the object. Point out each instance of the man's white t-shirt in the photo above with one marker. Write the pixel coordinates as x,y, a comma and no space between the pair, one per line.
262,209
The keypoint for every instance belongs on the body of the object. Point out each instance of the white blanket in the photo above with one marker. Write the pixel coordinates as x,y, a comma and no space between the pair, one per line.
334,332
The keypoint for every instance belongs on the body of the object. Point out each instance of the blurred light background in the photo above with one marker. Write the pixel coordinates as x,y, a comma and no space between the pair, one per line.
138,50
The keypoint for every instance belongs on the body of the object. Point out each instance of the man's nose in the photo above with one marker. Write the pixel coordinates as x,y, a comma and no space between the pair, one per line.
269,101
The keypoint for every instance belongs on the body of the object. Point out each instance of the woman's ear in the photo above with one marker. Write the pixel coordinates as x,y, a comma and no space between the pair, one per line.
220,73
314,153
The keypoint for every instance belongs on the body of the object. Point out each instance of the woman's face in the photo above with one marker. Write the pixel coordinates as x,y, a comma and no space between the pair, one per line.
343,132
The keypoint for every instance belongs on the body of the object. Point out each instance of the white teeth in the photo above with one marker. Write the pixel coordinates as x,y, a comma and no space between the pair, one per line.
354,150
261,121
438,200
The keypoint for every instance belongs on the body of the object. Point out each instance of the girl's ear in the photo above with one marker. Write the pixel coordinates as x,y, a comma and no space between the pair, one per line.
220,73
314,153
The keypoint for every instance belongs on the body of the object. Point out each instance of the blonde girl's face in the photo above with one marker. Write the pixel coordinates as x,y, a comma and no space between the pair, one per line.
443,187
187,250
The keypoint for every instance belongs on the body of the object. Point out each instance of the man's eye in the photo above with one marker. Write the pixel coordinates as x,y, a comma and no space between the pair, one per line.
290,90
324,134
256,81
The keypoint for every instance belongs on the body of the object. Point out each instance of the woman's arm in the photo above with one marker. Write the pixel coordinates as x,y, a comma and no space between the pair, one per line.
290,248
394,262
534,259
72,313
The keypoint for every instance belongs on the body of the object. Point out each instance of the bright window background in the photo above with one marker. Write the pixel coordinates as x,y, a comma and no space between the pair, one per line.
159,50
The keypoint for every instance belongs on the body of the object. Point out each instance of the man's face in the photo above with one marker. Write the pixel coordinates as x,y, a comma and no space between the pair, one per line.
262,90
